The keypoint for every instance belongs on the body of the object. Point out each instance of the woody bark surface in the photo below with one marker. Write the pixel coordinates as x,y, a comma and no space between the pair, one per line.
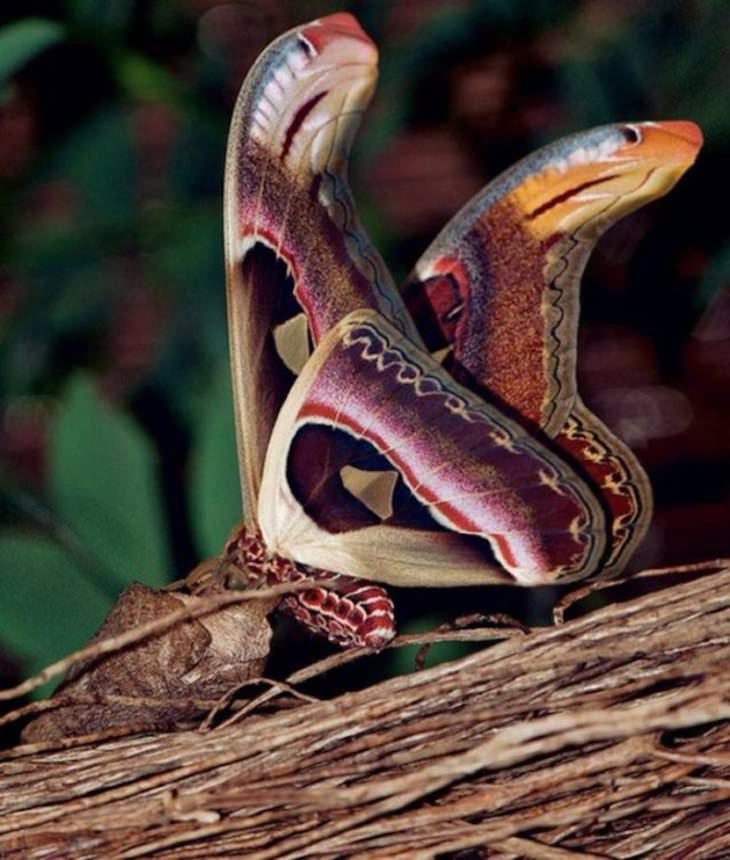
607,735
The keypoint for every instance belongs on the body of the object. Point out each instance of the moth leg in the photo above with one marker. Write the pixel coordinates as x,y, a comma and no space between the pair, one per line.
350,612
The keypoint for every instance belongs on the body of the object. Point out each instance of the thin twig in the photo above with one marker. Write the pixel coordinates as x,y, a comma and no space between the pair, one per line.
205,606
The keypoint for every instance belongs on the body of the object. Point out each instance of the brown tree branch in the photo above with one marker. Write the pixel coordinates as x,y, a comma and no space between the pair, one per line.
604,736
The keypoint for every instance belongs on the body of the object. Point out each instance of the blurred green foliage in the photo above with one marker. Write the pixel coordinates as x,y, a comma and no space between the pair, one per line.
117,449
215,491
23,40
106,521
101,484
49,605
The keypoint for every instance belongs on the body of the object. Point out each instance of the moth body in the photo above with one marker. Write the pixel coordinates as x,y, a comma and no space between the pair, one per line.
347,611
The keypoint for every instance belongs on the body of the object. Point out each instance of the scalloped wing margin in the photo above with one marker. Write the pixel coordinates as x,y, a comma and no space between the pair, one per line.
496,504
497,293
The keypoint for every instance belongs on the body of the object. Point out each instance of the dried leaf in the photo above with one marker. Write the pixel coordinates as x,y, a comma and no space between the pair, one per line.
167,679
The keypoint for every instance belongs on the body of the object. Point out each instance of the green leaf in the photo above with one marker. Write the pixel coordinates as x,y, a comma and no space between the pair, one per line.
103,485
215,491
48,608
23,40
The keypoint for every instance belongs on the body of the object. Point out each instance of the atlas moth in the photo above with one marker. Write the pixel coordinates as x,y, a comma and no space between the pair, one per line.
431,435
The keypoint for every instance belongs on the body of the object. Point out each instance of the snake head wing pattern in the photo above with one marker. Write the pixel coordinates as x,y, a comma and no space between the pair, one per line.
297,259
496,295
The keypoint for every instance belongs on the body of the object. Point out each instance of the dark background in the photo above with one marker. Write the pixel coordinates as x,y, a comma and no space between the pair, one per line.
116,448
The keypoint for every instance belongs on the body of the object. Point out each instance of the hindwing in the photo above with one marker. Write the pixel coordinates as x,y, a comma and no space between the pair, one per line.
497,294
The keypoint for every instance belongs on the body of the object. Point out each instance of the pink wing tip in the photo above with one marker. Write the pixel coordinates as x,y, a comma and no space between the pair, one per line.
324,30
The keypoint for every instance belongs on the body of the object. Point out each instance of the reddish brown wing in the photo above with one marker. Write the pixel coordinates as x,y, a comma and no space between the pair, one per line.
295,250
492,498
497,292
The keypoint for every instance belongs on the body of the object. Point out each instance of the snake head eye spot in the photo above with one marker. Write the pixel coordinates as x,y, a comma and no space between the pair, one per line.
307,46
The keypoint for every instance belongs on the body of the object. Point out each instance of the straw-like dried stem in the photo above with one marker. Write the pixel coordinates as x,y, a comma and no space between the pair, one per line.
605,736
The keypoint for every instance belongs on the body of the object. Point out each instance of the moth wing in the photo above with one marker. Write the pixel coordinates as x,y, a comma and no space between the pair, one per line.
479,498
613,469
497,292
498,287
293,243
